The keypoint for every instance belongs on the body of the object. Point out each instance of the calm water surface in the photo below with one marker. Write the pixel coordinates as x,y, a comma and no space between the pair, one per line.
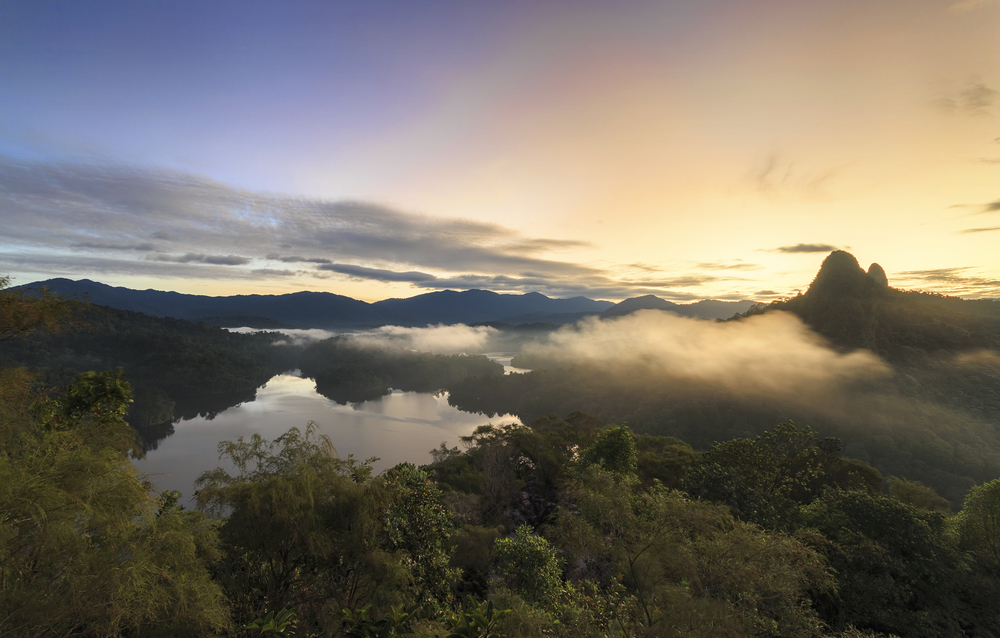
402,426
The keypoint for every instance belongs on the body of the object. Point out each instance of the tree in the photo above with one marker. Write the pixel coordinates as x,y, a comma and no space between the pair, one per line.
86,547
897,570
978,524
685,567
528,565
26,309
764,480
614,450
419,524
304,530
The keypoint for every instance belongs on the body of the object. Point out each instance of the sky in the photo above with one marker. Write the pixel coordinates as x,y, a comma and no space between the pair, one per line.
687,149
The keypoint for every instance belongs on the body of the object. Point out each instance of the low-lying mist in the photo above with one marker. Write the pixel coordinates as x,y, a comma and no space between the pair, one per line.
935,420
455,339
773,354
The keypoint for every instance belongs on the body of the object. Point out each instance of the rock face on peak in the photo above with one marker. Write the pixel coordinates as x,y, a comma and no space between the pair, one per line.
878,274
857,309
841,276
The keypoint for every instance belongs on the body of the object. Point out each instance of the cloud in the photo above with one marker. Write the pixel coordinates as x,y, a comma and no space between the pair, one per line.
719,265
975,99
296,336
456,339
961,281
988,229
773,355
146,247
804,248
100,208
221,260
379,274
992,207
295,259
774,177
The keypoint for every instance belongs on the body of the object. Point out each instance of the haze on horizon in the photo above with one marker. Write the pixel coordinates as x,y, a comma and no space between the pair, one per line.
689,150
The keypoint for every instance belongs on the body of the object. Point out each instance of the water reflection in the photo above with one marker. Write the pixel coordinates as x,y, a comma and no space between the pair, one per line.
401,426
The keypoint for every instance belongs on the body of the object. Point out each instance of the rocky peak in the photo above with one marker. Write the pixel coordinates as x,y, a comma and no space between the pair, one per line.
840,275
878,274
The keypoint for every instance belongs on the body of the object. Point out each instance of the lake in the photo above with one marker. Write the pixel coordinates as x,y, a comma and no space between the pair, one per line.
398,427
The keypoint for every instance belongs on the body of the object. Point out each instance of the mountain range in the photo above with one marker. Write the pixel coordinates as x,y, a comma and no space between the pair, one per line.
328,310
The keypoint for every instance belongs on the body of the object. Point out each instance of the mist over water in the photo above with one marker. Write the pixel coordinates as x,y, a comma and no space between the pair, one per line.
440,339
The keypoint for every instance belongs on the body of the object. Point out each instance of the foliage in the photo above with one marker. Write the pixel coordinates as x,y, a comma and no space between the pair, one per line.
614,450
85,547
280,623
684,564
476,622
418,524
177,369
764,480
916,494
25,309
302,528
396,622
978,524
897,570
528,565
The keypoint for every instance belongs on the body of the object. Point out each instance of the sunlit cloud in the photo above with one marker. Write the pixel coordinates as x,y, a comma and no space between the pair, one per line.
804,248
961,280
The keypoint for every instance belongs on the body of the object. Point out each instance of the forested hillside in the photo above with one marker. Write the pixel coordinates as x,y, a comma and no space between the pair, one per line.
932,414
177,369
347,371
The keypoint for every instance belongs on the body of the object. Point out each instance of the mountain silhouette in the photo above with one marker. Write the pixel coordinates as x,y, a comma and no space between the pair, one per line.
704,309
857,309
328,310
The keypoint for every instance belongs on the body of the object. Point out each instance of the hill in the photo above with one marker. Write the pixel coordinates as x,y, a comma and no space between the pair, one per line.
327,310
857,309
704,309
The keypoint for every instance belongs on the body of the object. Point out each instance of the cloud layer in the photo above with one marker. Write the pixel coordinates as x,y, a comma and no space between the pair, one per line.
772,355
112,219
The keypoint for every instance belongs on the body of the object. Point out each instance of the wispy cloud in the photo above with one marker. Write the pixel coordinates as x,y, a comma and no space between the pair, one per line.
988,229
296,259
721,265
975,98
777,178
221,260
803,248
962,281
378,274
